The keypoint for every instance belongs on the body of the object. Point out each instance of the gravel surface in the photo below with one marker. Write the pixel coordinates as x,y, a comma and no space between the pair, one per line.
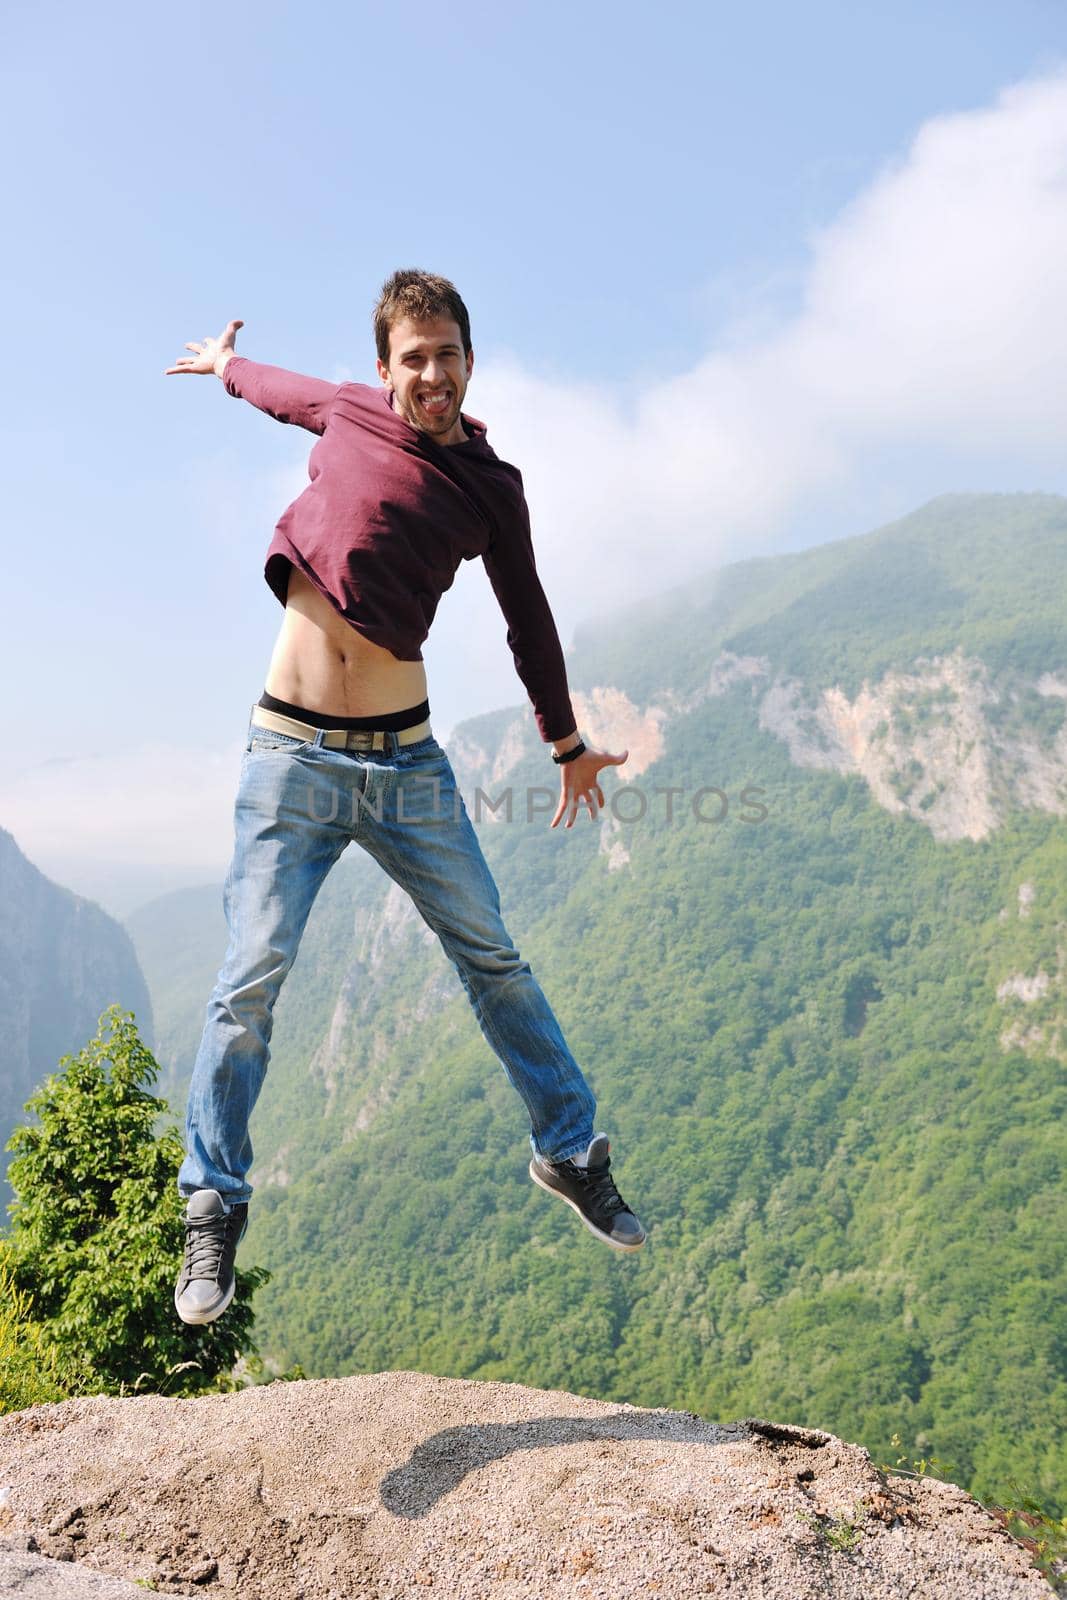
32,1577
396,1484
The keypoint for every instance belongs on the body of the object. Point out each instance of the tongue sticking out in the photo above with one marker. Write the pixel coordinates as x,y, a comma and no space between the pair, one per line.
436,406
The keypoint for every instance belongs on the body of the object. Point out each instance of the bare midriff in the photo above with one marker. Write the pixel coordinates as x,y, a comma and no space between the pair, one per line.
324,664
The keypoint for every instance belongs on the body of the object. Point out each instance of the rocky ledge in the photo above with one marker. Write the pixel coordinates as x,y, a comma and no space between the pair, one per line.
399,1484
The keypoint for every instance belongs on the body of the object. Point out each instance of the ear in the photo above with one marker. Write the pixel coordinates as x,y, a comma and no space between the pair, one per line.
383,372
470,361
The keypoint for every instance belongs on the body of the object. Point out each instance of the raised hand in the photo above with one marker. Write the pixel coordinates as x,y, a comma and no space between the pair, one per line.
210,355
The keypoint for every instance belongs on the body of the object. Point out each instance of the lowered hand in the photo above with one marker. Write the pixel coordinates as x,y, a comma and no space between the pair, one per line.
579,783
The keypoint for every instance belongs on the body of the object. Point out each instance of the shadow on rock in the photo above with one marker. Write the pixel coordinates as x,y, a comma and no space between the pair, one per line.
437,1465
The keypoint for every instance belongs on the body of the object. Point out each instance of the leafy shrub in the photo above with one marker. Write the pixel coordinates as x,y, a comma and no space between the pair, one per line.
97,1236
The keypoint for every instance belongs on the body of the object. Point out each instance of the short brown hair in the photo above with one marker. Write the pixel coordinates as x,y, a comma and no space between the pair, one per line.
423,297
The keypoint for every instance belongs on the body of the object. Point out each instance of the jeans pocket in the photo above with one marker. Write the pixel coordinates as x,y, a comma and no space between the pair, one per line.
425,752
266,740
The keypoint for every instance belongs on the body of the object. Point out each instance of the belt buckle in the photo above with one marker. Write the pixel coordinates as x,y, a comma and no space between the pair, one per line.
360,739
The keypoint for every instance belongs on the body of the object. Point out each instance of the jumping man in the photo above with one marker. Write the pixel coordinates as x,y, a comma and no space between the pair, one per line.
404,485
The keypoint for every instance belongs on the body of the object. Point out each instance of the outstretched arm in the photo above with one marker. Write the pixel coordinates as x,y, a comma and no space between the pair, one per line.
286,396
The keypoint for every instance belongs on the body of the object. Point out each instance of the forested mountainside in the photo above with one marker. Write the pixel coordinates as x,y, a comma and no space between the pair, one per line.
63,960
818,989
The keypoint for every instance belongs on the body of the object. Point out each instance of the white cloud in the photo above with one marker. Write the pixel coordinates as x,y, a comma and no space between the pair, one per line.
936,301
934,319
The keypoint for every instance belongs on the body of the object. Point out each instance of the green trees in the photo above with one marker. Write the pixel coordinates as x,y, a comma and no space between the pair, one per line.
87,1271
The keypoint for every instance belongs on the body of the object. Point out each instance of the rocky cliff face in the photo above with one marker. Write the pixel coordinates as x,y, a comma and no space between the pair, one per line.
399,1484
62,962
945,743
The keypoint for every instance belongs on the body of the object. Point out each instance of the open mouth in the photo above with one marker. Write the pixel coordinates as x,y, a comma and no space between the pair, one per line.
435,402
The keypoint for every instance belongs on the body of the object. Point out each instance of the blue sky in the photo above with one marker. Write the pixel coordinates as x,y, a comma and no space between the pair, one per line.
674,227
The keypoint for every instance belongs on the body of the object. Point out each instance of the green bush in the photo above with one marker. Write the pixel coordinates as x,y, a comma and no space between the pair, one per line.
97,1237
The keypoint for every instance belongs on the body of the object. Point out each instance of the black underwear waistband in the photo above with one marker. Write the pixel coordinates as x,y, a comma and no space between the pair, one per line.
395,721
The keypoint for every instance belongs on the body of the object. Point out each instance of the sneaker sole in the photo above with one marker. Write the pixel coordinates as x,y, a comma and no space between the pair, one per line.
200,1318
597,1233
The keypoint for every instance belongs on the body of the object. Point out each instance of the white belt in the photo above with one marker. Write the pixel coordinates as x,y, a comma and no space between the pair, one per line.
338,738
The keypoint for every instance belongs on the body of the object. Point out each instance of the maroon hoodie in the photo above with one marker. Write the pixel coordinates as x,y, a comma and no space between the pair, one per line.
388,516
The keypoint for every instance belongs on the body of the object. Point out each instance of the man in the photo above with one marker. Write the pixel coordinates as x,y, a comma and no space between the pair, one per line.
403,487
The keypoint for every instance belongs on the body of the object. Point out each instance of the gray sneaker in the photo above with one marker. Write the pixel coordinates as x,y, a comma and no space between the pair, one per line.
205,1284
590,1190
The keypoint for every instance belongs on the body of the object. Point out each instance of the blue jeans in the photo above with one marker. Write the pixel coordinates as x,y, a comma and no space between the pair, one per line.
298,805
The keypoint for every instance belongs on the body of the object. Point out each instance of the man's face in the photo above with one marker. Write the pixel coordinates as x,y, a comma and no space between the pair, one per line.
428,375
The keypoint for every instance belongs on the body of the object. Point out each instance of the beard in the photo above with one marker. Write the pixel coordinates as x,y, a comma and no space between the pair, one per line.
413,412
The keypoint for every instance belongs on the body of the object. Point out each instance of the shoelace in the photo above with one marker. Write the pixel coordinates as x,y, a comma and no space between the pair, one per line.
204,1244
599,1185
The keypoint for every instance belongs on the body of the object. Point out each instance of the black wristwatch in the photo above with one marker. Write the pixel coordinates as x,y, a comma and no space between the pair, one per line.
569,755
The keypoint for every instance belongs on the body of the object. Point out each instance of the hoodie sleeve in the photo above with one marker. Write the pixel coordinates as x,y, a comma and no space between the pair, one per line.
285,396
532,636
